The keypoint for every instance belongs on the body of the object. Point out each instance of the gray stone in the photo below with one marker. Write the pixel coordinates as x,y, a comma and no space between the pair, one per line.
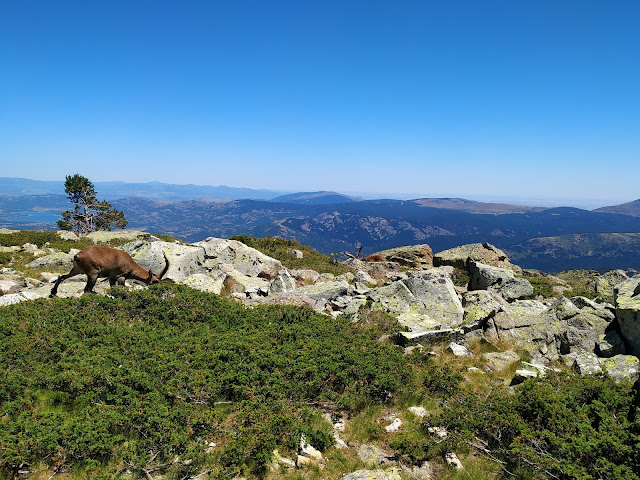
372,455
205,283
418,411
453,461
58,260
412,256
246,260
565,308
419,472
496,361
458,350
364,280
461,256
587,364
184,260
499,280
609,345
394,427
580,333
389,474
603,310
10,286
434,289
529,324
627,302
305,276
622,367
604,285
67,235
105,237
428,337
523,374
479,306
284,282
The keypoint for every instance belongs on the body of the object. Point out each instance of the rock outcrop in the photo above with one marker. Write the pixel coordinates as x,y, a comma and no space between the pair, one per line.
627,305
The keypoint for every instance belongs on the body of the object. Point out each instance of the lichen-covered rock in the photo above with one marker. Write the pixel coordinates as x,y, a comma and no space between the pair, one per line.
603,310
244,259
609,345
412,256
479,306
364,281
485,253
305,276
529,324
67,235
434,289
389,474
58,260
284,282
104,236
372,455
622,367
627,304
425,300
499,280
205,283
587,364
184,260
605,284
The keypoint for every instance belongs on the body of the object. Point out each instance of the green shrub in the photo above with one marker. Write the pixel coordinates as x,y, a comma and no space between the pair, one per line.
145,376
566,425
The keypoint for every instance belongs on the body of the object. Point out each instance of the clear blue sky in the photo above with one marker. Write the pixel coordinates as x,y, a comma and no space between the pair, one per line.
497,98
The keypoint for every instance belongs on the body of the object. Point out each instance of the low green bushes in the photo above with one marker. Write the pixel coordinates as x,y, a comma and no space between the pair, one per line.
134,381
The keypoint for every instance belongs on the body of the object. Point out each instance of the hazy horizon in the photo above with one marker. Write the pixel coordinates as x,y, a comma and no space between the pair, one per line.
518,100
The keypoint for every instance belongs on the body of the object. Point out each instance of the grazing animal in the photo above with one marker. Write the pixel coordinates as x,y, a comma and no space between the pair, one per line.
116,265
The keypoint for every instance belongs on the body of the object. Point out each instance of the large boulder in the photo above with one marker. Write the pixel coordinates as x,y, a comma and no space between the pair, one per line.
627,304
184,260
425,300
104,236
605,284
460,257
499,280
413,256
479,306
317,296
529,324
246,260
58,260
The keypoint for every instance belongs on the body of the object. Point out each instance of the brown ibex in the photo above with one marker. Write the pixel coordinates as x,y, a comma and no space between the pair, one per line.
116,265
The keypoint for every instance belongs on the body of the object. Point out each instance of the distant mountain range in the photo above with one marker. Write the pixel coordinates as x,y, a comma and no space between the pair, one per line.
153,190
550,239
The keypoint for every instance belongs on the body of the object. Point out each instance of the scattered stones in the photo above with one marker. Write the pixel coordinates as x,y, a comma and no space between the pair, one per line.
439,432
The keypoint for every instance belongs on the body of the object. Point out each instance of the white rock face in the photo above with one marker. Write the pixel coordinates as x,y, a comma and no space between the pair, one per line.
246,260
395,426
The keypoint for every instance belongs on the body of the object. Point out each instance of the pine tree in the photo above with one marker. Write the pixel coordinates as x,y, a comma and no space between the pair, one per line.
89,213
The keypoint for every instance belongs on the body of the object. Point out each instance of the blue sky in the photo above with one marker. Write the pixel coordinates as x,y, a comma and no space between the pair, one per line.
482,99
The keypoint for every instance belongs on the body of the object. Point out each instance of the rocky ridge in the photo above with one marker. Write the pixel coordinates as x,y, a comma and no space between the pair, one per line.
411,284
